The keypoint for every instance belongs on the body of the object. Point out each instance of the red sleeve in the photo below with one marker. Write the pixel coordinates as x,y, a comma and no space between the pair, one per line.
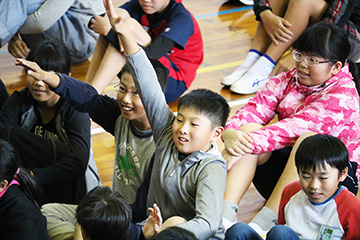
290,190
348,207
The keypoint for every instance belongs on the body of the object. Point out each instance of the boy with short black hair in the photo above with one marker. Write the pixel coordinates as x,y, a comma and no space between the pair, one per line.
188,177
314,207
103,214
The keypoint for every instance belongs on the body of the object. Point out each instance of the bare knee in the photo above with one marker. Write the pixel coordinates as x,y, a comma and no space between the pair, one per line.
173,221
314,9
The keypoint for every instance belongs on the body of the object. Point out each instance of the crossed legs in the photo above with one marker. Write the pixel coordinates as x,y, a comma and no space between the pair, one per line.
107,61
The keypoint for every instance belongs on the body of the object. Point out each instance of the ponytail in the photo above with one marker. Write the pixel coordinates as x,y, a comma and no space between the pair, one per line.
10,169
29,184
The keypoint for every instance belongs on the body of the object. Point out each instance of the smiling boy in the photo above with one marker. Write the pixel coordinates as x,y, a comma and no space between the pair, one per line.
188,178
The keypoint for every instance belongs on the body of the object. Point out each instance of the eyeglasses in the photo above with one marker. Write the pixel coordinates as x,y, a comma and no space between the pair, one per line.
122,90
308,60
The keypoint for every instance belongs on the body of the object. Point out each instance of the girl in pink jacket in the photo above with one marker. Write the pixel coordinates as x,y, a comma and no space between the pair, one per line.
319,95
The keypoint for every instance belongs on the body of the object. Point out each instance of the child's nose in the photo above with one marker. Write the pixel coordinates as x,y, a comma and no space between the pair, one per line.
39,83
127,97
184,128
314,184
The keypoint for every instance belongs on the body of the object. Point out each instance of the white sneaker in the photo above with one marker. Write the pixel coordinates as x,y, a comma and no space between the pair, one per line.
247,2
248,84
232,78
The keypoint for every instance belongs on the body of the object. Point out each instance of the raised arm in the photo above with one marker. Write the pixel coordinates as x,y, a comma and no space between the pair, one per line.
144,76
103,110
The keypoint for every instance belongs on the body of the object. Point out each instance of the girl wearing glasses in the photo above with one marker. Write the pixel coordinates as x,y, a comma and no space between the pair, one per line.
318,95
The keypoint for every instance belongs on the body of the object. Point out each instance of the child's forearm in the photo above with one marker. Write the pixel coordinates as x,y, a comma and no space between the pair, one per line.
53,80
38,74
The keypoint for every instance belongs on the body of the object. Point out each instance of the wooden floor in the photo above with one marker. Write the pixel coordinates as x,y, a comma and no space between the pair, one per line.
227,28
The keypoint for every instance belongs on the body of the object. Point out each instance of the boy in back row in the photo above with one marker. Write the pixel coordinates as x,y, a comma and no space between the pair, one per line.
188,177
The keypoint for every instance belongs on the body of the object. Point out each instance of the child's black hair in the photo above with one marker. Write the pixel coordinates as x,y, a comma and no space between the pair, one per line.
51,55
174,233
328,41
207,102
316,150
9,164
104,214
161,72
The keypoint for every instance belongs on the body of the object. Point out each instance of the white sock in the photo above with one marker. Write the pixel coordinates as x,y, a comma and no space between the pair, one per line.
263,67
250,59
252,56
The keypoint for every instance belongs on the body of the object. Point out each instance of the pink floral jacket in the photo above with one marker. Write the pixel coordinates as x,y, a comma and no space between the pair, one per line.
332,108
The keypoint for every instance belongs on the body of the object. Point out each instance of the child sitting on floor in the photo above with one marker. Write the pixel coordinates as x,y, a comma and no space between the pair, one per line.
188,177
52,138
126,120
165,29
314,207
20,199
103,214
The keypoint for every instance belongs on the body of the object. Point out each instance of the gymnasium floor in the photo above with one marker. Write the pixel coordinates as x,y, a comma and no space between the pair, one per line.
227,28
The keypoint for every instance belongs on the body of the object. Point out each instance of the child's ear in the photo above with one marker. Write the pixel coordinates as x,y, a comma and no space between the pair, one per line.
3,185
69,74
343,174
217,132
336,68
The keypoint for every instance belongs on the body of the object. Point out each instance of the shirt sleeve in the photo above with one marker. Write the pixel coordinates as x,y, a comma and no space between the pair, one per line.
349,216
260,6
339,12
327,113
209,195
147,85
103,110
46,16
73,165
159,47
262,107
10,114
53,161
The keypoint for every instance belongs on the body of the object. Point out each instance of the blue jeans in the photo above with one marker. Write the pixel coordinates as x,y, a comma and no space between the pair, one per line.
245,232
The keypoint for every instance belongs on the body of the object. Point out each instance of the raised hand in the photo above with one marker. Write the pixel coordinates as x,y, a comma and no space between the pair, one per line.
33,70
114,18
153,223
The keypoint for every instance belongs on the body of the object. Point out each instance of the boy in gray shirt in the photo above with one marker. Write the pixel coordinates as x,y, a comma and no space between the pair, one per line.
189,173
